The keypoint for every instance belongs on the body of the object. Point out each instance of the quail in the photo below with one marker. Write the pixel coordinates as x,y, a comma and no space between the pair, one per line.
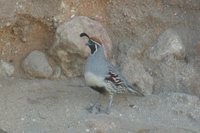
104,77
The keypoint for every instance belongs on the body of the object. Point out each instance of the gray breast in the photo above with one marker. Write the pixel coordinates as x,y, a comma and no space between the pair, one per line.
97,64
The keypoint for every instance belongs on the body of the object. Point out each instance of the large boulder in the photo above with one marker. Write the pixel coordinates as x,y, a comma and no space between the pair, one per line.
36,65
169,43
174,61
69,48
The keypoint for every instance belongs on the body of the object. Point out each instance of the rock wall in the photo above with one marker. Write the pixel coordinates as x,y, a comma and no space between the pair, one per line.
163,36
155,43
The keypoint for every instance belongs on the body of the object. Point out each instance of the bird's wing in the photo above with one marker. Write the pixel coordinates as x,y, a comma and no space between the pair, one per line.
116,77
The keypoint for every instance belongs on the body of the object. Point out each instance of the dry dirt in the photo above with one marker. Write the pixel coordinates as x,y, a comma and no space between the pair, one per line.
44,106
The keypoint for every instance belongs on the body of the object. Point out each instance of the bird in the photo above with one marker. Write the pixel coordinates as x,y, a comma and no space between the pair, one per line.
103,77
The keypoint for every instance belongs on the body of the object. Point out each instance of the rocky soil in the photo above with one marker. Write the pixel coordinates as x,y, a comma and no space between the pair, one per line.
155,43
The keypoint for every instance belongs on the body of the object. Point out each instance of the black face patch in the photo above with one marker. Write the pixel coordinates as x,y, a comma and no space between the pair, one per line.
92,48
101,90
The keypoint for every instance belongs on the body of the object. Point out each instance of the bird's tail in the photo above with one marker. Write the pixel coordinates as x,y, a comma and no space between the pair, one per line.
135,89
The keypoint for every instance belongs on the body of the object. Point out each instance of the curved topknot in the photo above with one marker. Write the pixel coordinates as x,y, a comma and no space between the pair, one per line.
84,34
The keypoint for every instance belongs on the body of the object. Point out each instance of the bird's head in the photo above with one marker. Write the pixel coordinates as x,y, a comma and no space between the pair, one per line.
93,43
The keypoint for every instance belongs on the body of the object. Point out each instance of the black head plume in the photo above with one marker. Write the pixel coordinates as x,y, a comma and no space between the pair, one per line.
84,34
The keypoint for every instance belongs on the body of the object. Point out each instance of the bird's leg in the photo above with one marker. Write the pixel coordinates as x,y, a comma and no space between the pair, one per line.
110,102
107,109
96,105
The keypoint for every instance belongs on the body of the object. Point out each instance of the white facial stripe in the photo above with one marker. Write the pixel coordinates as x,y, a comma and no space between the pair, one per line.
95,49
96,42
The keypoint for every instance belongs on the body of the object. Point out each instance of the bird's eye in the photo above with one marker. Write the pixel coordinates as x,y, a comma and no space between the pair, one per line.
91,42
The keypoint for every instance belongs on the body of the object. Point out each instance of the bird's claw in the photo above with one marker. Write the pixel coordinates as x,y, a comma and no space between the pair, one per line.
98,109
94,108
104,110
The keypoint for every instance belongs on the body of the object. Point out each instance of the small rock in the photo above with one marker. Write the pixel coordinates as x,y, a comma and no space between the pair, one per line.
57,73
69,48
169,43
36,65
6,69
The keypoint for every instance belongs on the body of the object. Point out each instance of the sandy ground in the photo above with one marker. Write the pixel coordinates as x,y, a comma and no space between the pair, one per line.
46,106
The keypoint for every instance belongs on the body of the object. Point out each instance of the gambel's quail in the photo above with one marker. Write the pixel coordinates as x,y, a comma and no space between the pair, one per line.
102,76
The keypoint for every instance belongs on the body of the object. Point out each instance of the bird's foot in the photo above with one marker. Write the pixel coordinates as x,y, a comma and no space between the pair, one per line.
104,110
98,109
94,108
